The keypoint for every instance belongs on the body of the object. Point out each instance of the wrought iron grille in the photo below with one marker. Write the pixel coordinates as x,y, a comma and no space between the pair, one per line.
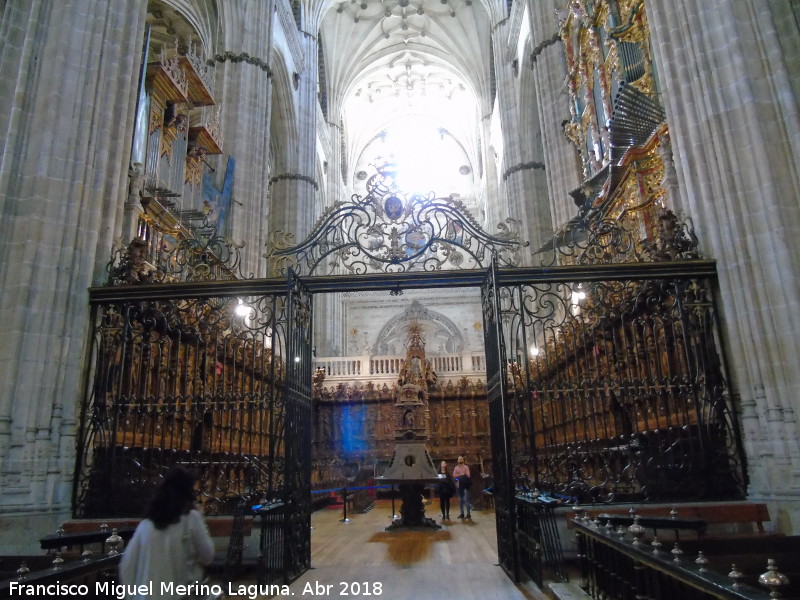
618,390
197,382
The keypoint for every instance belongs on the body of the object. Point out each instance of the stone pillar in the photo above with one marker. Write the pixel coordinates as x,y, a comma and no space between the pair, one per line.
303,192
735,134
490,199
70,73
244,92
336,188
562,163
294,182
523,166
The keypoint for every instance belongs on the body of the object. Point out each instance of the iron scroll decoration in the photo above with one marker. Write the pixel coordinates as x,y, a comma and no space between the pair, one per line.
388,231
202,256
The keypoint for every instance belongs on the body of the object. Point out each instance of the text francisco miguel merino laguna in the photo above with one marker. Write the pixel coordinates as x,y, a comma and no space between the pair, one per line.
118,590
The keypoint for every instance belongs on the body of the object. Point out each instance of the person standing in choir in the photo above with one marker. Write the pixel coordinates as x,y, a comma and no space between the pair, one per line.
463,483
447,488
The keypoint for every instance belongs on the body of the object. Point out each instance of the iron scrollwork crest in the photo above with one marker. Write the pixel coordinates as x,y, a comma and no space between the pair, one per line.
392,232
592,241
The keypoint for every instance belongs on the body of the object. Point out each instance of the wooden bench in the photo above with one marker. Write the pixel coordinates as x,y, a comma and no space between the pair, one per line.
737,519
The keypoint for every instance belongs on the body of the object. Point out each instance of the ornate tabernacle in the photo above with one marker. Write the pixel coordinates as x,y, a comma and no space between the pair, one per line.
411,466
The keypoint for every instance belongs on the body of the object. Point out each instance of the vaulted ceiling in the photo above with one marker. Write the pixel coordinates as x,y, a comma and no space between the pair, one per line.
409,80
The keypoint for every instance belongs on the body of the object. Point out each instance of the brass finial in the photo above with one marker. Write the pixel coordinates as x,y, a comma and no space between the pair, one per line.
636,530
772,579
701,561
114,543
676,553
655,544
736,575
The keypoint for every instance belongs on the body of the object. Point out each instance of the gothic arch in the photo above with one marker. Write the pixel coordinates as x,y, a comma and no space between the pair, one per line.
436,327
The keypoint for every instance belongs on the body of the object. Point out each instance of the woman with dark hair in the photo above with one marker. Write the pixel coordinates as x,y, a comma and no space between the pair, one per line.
447,487
172,544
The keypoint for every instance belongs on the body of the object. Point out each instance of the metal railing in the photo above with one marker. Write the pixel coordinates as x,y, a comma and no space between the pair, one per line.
619,563
538,541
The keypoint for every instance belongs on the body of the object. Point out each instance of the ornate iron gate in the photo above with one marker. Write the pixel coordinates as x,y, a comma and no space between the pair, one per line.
605,378
298,431
499,419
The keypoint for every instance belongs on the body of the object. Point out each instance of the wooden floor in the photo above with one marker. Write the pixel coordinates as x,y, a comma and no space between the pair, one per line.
457,562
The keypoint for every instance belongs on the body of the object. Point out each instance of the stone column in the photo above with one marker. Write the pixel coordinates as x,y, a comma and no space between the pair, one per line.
562,163
302,191
244,92
735,133
336,188
294,181
523,166
489,195
70,73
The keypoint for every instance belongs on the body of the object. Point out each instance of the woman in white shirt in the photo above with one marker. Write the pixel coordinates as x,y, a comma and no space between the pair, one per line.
171,546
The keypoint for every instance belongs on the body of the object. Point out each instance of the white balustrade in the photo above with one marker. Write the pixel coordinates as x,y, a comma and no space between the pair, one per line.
388,368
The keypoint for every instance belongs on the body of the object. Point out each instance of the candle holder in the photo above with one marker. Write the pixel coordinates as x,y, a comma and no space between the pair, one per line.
23,571
58,561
